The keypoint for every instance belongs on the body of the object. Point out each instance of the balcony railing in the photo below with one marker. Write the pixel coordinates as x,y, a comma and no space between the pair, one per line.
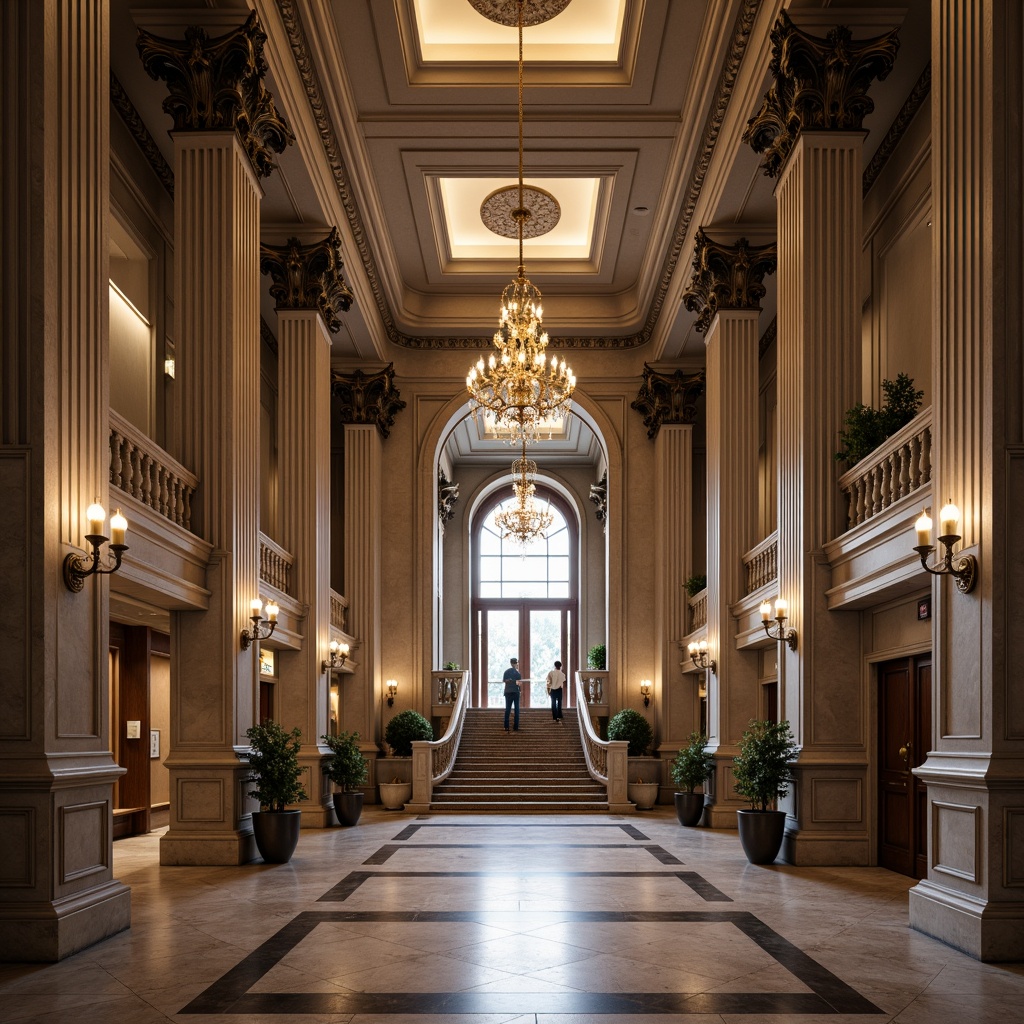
892,471
275,565
761,563
339,612
698,610
141,468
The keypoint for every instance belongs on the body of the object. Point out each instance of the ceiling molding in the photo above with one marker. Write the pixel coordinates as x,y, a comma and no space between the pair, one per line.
886,148
329,138
140,133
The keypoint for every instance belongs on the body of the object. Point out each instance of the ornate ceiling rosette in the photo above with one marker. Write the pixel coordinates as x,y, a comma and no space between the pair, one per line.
506,12
498,211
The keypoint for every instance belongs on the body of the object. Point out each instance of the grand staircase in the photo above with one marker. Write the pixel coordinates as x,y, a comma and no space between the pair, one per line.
538,770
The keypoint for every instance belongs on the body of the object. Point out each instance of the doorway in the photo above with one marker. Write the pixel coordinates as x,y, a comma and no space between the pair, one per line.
904,735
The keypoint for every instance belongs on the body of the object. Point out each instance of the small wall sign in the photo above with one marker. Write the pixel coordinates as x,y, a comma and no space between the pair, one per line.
154,742
924,608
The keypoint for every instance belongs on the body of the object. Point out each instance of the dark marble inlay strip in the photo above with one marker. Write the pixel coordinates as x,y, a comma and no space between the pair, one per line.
410,830
829,995
351,882
385,853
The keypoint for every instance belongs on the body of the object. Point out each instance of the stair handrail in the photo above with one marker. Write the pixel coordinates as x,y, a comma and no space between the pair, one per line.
606,759
433,760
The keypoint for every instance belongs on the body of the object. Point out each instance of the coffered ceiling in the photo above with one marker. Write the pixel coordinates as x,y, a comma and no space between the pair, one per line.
405,119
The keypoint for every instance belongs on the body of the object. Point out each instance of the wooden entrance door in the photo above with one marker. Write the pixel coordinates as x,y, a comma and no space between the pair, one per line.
904,734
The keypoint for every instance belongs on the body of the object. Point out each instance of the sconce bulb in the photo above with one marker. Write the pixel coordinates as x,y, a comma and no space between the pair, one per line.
781,608
343,650
334,646
257,607
272,610
924,530
96,516
118,528
949,519
766,610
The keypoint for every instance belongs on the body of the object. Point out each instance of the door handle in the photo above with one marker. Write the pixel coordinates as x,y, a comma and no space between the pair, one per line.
905,752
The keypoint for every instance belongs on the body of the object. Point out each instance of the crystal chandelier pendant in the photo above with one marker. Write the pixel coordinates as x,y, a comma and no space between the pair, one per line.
524,389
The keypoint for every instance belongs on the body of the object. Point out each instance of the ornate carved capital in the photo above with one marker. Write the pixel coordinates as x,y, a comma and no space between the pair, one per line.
367,398
217,85
820,85
447,495
727,277
599,496
668,398
308,277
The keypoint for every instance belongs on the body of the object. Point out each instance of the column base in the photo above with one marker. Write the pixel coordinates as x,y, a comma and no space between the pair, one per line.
318,817
831,849
720,817
47,932
992,932
198,849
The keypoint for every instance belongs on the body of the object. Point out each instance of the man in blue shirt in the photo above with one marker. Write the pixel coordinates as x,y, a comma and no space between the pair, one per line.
511,678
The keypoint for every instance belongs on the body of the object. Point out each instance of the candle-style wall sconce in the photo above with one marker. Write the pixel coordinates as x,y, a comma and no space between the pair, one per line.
262,628
779,631
78,569
339,655
965,569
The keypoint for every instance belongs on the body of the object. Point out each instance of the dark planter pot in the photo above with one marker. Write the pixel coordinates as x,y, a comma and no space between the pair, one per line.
761,834
348,807
689,808
277,833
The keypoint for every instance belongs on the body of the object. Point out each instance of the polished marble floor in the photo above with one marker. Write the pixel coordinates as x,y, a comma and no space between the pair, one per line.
525,920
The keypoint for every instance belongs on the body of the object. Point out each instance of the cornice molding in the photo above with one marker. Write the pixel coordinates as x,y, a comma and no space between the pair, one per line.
668,398
369,398
898,128
329,139
267,335
216,84
727,277
820,85
140,133
308,277
766,339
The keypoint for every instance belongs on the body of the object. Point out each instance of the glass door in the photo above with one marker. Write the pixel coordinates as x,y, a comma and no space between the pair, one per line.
499,642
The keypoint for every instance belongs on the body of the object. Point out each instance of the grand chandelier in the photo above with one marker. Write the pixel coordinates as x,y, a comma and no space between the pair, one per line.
523,522
519,384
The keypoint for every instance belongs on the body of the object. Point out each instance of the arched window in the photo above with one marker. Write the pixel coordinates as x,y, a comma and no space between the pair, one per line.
524,601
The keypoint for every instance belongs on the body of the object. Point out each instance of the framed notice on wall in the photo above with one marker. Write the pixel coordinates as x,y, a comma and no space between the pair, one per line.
154,742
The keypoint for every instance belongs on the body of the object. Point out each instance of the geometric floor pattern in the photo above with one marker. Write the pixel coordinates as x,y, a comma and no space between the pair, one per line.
524,920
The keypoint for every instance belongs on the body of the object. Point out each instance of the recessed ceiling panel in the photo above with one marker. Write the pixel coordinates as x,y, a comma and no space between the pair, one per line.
469,238
587,31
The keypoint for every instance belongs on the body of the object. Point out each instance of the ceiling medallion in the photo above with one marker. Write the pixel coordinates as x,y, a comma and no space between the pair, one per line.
518,384
506,12
498,211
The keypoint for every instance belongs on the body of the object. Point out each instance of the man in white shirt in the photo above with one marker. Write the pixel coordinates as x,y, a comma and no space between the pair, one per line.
555,681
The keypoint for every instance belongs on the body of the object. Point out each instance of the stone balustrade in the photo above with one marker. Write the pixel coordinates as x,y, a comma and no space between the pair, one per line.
698,609
339,612
433,760
275,565
141,468
892,471
445,686
761,564
607,760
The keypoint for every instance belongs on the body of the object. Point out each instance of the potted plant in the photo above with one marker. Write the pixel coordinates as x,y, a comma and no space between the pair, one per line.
695,584
631,726
866,428
274,772
762,772
597,657
346,767
399,735
451,666
693,765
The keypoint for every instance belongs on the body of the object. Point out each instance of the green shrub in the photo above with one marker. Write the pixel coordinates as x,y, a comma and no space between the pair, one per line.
597,658
451,666
346,767
405,727
865,428
693,764
695,584
631,726
762,767
274,765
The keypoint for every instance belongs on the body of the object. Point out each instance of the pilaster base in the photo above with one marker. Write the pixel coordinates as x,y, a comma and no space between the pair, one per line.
987,931
718,816
838,849
196,849
318,817
47,932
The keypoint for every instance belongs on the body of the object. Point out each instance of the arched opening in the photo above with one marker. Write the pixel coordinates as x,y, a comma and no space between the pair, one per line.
525,600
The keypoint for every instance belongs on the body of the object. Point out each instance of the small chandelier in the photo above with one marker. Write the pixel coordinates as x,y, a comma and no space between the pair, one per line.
519,384
524,522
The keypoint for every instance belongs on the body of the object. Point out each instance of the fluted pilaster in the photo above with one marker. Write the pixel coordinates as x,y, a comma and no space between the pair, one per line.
57,891
972,897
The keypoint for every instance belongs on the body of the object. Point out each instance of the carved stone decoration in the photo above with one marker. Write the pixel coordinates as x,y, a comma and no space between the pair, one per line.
727,277
668,398
497,211
907,113
447,495
367,398
820,85
506,12
217,85
599,496
308,277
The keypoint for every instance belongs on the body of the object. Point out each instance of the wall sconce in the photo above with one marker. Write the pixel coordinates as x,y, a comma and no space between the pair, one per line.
392,687
781,633
339,655
76,568
645,691
699,656
254,635
965,571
